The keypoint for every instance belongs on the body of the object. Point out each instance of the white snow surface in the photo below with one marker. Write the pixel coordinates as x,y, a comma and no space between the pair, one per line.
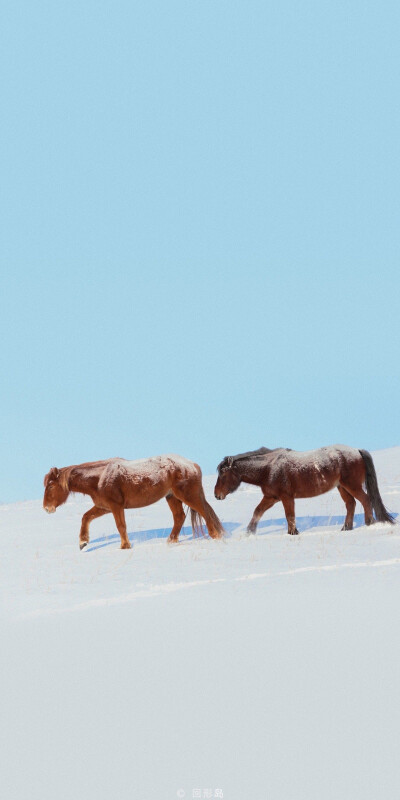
250,668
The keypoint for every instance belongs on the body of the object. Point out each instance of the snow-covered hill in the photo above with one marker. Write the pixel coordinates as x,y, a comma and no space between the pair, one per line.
252,668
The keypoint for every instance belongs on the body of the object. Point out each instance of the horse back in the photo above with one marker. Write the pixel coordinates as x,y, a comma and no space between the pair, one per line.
313,472
143,482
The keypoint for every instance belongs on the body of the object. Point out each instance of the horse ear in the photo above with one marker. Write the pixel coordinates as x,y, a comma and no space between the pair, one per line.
54,474
230,461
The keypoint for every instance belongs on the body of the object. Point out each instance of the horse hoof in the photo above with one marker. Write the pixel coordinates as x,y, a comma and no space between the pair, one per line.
83,545
172,540
293,533
126,546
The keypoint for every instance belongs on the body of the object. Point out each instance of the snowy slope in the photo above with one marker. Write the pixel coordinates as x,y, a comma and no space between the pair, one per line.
261,667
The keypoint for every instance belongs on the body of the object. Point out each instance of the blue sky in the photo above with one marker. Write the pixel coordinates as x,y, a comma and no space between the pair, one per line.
200,230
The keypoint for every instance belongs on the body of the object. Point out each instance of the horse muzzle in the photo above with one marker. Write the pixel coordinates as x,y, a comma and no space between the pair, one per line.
50,509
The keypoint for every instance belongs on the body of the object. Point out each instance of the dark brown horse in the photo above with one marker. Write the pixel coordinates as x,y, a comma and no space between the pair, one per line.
116,484
286,475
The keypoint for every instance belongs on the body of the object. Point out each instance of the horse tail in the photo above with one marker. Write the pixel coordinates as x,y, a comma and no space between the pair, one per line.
371,483
197,523
214,525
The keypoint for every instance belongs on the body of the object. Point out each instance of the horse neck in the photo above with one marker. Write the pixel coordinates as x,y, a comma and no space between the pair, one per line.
75,480
249,471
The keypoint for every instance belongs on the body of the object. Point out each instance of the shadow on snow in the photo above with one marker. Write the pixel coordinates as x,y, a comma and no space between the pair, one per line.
303,524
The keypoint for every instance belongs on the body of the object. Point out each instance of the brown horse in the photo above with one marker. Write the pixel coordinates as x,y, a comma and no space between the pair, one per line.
285,475
116,484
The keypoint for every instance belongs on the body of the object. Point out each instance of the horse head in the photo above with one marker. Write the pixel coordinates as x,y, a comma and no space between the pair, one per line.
55,490
228,479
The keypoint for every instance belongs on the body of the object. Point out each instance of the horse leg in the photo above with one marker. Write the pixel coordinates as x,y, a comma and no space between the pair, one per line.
266,503
178,515
288,505
87,518
362,497
193,495
119,516
350,508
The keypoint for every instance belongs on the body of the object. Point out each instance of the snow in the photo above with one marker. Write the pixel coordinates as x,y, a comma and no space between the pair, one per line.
259,667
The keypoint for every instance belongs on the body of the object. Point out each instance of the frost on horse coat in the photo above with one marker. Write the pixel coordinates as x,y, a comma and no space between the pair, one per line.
285,475
116,484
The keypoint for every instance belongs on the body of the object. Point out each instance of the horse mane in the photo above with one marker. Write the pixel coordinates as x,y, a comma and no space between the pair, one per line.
64,478
262,451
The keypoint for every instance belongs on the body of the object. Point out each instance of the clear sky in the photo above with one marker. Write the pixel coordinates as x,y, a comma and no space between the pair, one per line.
200,229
